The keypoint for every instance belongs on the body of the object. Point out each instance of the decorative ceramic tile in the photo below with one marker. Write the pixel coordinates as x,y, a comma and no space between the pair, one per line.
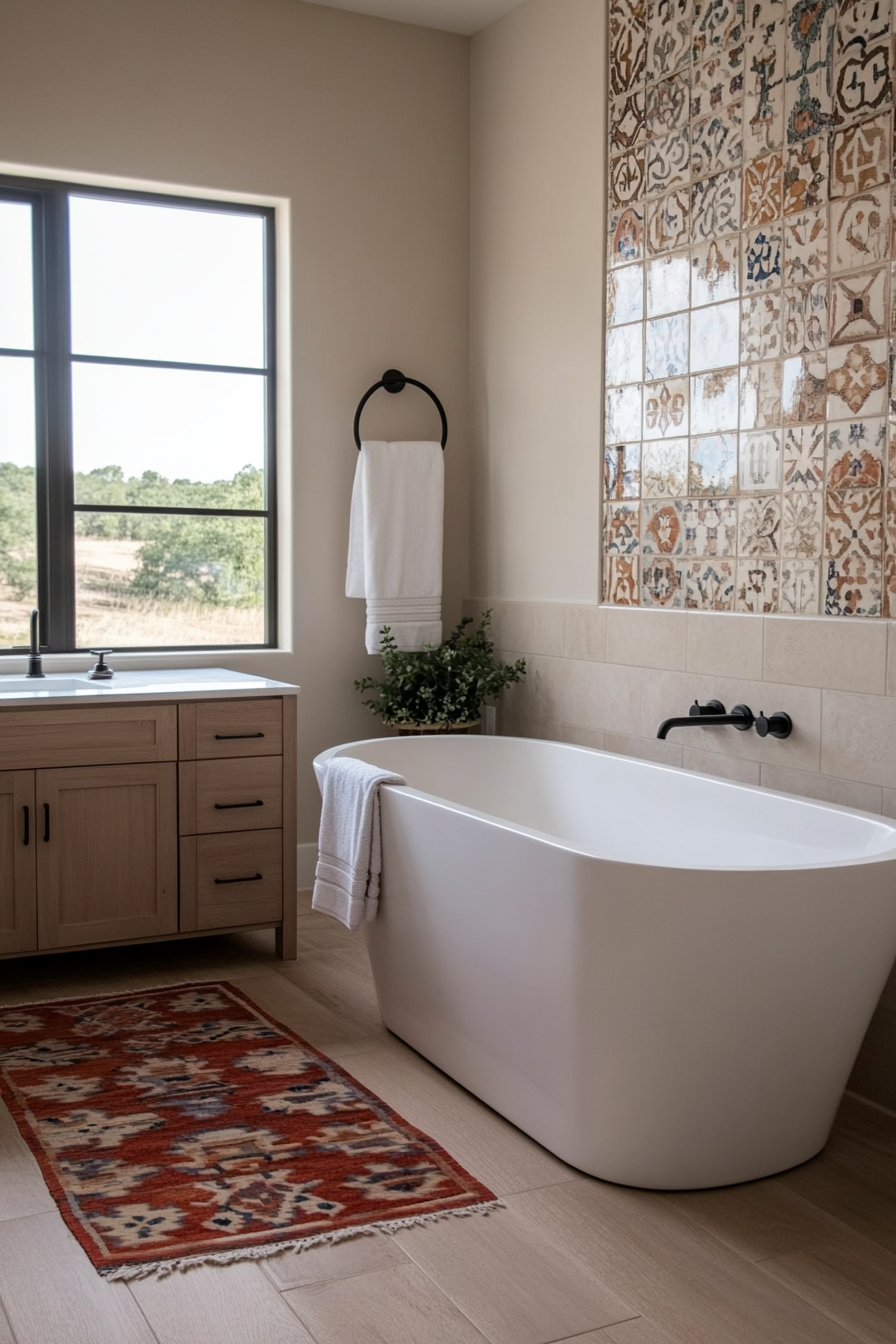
715,206
669,44
805,318
853,524
668,105
762,189
802,525
710,526
666,409
626,236
760,326
664,469
715,335
662,531
861,24
668,160
714,271
808,57
857,379
890,524
709,585
852,587
662,582
763,255
622,582
760,395
804,457
625,295
628,44
627,123
764,78
717,83
855,454
627,177
713,465
758,525
759,457
859,306
806,246
666,347
799,587
806,172
888,596
860,230
860,157
892,302
718,24
804,388
668,220
757,586
861,74
714,401
623,414
622,528
668,284
622,471
716,142
625,354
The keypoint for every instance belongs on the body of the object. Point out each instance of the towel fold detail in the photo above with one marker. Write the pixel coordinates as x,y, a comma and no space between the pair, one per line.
349,863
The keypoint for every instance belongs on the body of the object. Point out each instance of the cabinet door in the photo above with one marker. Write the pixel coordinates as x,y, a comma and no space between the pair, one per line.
18,901
106,853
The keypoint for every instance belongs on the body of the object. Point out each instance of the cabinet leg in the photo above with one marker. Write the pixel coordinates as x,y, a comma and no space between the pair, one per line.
286,940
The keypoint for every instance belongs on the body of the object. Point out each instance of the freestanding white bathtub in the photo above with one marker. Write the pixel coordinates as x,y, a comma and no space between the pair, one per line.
662,977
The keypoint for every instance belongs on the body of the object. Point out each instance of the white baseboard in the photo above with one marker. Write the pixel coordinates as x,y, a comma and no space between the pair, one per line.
306,862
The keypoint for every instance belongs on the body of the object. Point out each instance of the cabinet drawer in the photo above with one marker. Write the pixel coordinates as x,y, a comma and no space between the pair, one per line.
226,880
111,735
215,729
239,795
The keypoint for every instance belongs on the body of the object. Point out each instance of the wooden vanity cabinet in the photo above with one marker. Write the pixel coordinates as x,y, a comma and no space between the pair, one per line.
106,836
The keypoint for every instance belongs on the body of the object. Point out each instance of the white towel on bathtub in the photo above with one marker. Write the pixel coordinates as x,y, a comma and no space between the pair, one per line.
349,861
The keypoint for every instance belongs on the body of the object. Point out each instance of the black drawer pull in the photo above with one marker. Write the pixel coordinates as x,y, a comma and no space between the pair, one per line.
223,807
46,822
231,737
26,838
222,881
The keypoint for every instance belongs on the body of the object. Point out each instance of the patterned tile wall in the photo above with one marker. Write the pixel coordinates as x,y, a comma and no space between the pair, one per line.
750,438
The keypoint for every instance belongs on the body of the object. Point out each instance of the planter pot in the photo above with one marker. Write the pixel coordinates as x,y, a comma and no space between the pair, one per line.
423,729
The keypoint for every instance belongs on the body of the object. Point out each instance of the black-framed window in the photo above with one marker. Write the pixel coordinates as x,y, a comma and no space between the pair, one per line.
137,419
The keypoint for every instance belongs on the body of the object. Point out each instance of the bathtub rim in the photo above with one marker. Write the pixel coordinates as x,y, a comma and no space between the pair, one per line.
558,842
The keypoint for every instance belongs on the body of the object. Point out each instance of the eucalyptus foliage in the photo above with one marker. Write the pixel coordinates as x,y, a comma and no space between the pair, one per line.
443,685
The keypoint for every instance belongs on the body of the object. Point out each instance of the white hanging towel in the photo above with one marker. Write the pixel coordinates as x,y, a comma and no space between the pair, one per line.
395,541
349,860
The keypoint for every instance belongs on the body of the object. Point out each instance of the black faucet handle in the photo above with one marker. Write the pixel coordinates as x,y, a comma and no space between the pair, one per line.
706,711
100,671
776,725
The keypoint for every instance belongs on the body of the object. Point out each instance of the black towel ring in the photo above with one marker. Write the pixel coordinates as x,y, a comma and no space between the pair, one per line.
394,381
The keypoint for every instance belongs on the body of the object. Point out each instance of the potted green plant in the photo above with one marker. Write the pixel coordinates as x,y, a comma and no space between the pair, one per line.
440,689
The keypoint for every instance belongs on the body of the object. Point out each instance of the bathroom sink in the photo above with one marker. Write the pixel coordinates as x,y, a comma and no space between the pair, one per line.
49,685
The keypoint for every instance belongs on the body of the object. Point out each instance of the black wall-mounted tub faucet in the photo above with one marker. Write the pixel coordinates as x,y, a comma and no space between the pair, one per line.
712,714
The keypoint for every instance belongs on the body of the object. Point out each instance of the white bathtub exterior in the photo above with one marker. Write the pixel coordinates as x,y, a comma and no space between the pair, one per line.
662,977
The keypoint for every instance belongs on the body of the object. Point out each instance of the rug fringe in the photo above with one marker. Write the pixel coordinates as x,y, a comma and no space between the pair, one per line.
162,1268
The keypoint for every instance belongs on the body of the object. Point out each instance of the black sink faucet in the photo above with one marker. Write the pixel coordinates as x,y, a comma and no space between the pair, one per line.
711,714
34,663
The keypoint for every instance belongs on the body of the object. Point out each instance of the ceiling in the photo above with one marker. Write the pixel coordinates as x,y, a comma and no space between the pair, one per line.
456,16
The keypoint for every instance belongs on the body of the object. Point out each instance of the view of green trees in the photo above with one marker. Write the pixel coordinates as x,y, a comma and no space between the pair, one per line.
216,561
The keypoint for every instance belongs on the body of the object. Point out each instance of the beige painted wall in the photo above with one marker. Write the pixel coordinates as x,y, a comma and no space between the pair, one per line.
598,676
362,125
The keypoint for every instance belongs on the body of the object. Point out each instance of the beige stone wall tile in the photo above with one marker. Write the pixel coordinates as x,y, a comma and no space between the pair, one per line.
843,792
646,638
644,748
844,655
580,735
603,695
585,632
891,657
724,767
724,644
528,627
858,733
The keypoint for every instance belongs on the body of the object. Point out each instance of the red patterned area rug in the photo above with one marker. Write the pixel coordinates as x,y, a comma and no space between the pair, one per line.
183,1126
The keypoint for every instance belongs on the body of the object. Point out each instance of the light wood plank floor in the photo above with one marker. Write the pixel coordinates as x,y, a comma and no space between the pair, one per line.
808,1257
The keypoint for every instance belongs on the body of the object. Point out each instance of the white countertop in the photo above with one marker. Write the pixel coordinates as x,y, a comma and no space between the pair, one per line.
201,683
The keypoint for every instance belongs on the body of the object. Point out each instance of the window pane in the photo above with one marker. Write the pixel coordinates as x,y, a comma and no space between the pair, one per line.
194,428
18,572
166,282
160,580
16,281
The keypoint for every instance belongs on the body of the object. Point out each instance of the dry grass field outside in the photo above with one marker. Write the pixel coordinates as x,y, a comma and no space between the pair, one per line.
109,615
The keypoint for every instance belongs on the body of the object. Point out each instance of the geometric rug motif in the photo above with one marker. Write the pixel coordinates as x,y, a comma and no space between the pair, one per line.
183,1125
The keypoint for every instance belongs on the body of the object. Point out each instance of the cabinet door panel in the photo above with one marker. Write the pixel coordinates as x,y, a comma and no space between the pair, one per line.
227,880
241,795
106,853
99,735
18,902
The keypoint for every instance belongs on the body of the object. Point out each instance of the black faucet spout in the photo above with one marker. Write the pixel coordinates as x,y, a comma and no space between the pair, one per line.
741,717
34,660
